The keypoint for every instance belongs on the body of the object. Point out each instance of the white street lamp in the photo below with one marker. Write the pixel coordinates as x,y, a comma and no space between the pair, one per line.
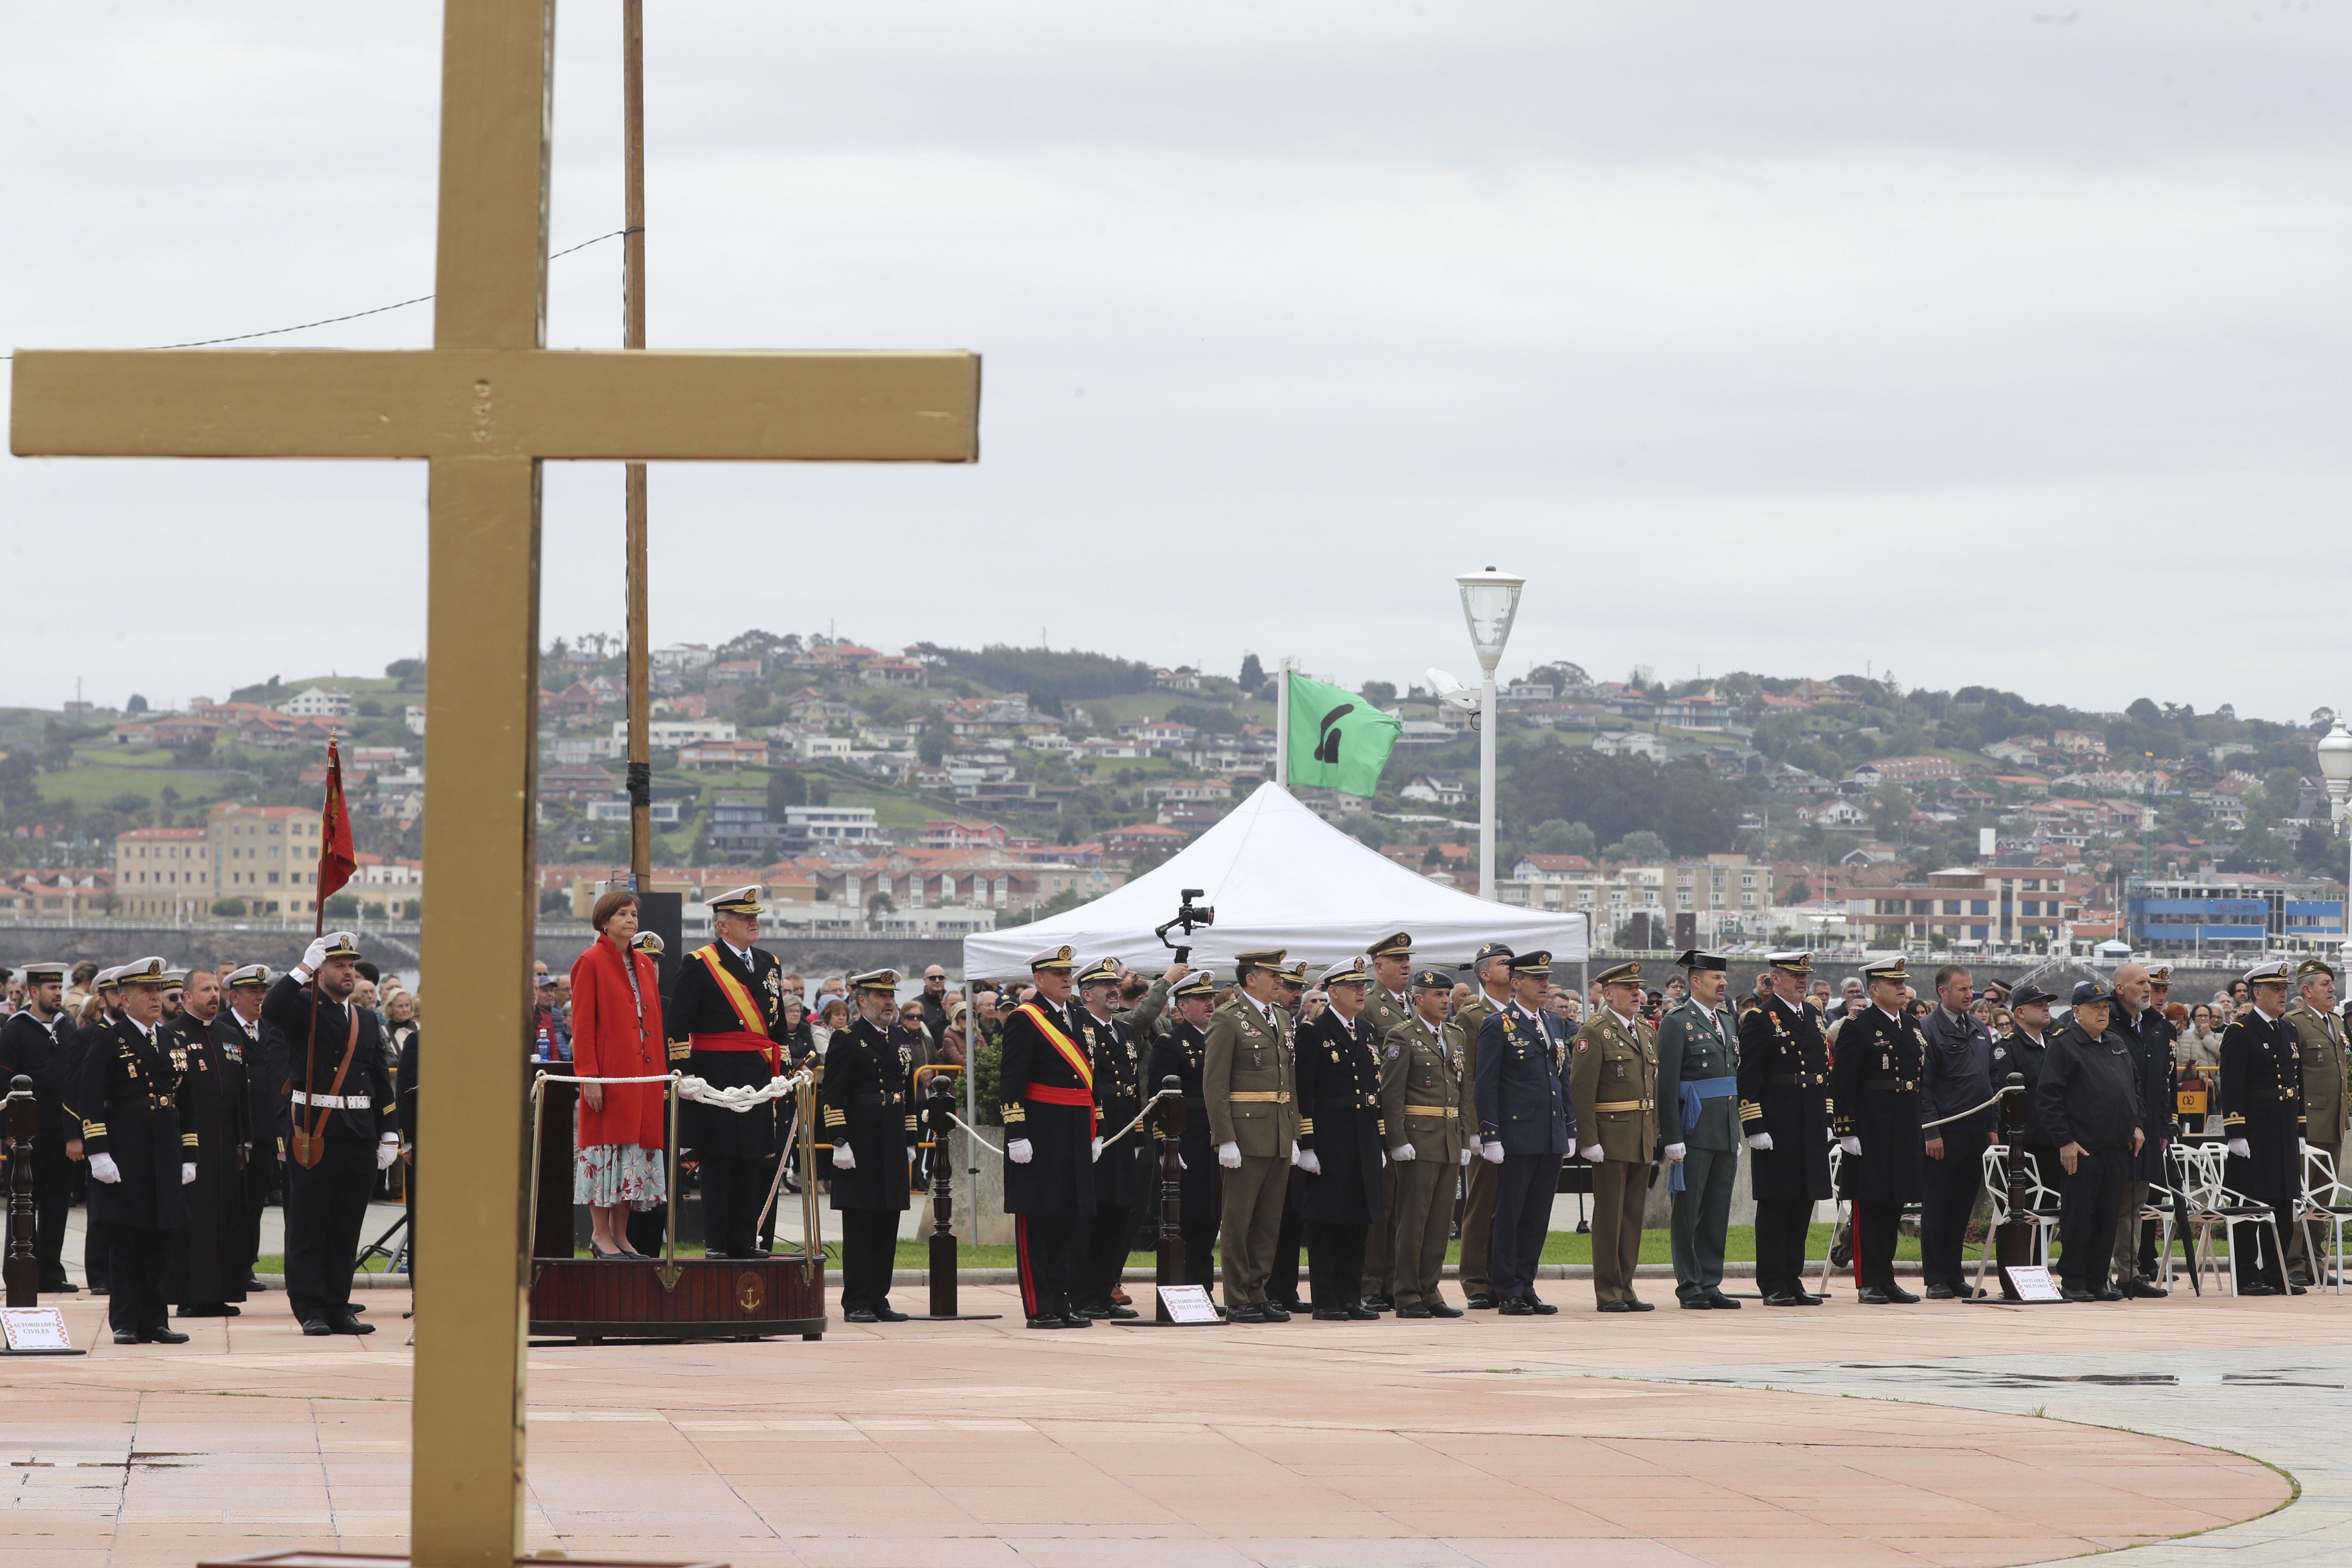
1490,602
2335,762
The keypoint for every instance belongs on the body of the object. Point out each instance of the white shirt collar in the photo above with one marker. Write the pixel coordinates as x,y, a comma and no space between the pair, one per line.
1882,1007
1621,1019
742,953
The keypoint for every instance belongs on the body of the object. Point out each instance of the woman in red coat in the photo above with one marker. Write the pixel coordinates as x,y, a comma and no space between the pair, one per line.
617,1032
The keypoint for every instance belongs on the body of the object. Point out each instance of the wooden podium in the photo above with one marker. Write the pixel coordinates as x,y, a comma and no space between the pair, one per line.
668,1297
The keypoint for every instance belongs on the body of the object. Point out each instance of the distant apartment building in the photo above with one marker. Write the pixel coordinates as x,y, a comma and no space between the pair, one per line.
1719,884
163,873
267,856
1994,904
317,702
2243,912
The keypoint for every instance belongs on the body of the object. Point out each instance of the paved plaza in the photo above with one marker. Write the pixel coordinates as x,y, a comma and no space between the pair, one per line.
1942,1435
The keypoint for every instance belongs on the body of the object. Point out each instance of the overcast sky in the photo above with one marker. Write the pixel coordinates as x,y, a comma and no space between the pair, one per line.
2000,343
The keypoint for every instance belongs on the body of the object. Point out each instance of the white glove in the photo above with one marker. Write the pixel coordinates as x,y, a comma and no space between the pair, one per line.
1852,1146
312,956
1466,1159
1591,1156
1306,1160
2237,1146
1294,1151
102,1166
1096,1156
1491,1151
1404,1154
187,1171
387,1149
1019,1151
844,1158
1675,1152
1229,1155
1760,1140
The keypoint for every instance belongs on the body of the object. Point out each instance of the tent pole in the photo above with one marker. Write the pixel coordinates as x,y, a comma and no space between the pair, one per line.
1282,723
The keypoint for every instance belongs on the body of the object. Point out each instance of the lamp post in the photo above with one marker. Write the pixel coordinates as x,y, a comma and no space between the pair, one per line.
2336,763
1490,599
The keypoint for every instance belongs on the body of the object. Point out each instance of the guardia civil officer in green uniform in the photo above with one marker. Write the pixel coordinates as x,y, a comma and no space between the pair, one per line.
1178,1054
1250,1090
1429,1104
1491,971
1614,1075
1388,1003
1698,1054
1875,1096
139,1158
869,1120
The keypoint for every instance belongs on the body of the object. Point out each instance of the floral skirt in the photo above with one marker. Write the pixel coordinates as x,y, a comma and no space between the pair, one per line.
606,1175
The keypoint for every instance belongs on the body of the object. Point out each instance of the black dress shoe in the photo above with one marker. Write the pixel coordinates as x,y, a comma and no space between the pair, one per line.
348,1326
1614,1307
1091,1309
1807,1298
1376,1305
1871,1296
1939,1291
858,1315
352,1309
59,1288
2109,1293
2293,1290
885,1313
1362,1315
2297,1277
1290,1304
203,1310
125,1337
2071,1294
1047,1320
1076,1321
1403,1312
1333,1314
1641,1306
1899,1296
1543,1309
1518,1307
164,1337
1480,1303
1247,1312
1692,1304
253,1285
316,1328
1443,1310
1721,1302
1276,1313
2145,1291
1783,1298
2258,1287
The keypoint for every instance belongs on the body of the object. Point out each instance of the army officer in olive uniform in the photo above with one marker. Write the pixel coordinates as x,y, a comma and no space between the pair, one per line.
1249,1088
1614,1076
1387,1004
1699,1052
1428,1103
869,1120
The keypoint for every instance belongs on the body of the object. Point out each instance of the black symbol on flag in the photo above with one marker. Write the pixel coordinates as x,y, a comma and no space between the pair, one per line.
1327,749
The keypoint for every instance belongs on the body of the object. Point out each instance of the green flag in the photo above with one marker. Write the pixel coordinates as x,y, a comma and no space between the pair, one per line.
1338,739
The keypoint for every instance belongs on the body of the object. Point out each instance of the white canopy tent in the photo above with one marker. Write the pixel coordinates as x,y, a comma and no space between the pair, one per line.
1280,875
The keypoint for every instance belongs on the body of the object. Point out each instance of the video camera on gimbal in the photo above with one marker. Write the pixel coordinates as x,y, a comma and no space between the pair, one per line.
1188,915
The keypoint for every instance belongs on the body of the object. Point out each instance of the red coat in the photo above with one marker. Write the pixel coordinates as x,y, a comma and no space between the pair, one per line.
610,1039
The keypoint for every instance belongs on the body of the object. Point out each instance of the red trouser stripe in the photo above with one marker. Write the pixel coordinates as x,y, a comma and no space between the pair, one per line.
1021,1251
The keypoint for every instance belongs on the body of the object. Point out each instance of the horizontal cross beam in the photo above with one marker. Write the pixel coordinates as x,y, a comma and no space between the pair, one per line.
596,404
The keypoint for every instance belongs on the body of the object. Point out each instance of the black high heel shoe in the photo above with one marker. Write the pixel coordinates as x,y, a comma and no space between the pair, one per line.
605,1257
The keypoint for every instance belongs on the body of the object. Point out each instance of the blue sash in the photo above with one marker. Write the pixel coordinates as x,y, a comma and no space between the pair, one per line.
1693,1091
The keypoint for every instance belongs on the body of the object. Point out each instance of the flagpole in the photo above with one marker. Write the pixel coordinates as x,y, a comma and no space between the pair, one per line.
1282,724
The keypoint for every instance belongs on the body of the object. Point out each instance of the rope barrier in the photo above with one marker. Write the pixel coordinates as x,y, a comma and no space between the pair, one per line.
1163,1094
976,1138
1971,1110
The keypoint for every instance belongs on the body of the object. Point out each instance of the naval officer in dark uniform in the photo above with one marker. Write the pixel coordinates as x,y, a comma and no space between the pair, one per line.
204,1276
340,1103
2262,1113
1339,1142
140,1160
238,1027
1527,1124
1178,1054
1698,1053
869,1121
40,1042
1875,1091
726,1026
1784,1114
1046,1092
1123,1176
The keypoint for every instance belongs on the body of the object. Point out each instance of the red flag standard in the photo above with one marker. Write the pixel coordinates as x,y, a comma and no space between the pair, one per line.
338,859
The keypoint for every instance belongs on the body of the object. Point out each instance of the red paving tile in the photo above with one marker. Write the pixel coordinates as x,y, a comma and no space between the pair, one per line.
1480,1443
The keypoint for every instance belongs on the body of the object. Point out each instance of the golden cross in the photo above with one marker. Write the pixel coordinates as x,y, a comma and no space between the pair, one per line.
484,407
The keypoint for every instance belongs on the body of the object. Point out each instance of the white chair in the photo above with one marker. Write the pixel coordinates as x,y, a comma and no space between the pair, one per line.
2200,1169
2041,1211
2323,1204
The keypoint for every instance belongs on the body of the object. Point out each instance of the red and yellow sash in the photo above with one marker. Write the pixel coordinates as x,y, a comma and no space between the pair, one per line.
754,1034
1079,1064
